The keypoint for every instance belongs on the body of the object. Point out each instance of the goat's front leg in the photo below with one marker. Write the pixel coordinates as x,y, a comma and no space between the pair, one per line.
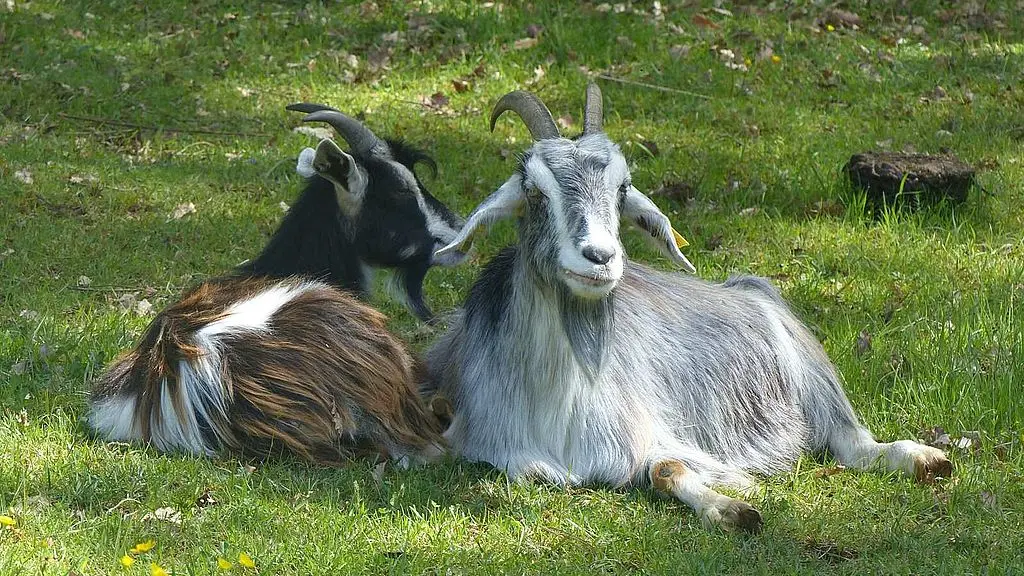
673,478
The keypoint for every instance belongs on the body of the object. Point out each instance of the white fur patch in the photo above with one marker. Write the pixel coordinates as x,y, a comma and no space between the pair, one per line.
114,417
305,165
254,313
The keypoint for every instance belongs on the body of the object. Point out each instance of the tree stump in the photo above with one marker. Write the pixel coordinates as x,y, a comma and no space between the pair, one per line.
910,180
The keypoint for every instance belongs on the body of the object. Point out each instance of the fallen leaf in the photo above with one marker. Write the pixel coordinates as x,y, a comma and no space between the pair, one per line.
23,176
679,51
438,100
378,473
181,210
524,43
127,301
19,368
751,211
283,206
863,344
968,440
460,85
565,121
76,34
830,471
165,514
30,315
245,92
246,560
206,500
650,146
315,131
533,30
143,308
988,499
703,21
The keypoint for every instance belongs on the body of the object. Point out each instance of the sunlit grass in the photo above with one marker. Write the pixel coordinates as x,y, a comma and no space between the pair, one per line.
756,153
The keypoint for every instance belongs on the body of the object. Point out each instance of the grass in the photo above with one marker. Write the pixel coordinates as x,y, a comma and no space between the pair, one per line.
750,173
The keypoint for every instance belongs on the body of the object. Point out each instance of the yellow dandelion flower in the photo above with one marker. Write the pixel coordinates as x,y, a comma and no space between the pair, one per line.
127,561
830,28
143,547
776,58
224,564
246,560
7,521
156,570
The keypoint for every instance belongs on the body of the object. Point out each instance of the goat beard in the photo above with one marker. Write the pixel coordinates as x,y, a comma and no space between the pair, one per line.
588,327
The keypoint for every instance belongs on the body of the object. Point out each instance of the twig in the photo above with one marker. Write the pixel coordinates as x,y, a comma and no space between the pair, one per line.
106,289
156,128
652,86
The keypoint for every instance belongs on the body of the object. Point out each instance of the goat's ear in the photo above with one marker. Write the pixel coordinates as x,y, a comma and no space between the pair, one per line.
504,202
638,208
332,163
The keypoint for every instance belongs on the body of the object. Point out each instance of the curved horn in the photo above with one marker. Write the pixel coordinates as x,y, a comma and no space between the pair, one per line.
308,108
593,114
359,137
534,113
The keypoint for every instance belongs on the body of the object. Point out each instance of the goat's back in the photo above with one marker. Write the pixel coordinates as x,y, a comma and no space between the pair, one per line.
260,366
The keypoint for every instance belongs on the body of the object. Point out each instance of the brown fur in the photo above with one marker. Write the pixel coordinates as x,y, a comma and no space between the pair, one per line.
327,380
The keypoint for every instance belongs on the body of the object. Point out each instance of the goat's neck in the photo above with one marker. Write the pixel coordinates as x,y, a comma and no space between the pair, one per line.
314,239
566,332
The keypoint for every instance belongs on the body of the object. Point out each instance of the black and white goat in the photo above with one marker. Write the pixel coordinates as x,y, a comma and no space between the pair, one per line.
570,363
281,354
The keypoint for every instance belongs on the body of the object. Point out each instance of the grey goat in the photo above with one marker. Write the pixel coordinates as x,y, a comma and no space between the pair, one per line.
572,364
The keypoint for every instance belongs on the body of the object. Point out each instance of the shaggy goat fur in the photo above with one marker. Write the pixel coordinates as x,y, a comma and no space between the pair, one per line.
570,363
281,355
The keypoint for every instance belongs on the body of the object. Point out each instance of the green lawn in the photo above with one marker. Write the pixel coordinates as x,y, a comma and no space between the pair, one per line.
747,165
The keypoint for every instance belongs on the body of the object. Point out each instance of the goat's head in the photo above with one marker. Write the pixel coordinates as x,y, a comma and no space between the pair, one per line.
396,221
569,195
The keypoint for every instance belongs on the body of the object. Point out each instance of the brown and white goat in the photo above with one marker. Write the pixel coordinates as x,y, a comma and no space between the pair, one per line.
281,355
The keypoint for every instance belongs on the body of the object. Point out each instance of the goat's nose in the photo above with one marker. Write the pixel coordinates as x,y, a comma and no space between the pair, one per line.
598,255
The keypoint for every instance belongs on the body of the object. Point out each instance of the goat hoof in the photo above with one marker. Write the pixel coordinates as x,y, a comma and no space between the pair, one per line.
931,464
739,515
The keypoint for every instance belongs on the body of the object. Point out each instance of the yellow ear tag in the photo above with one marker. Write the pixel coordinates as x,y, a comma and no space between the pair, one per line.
680,241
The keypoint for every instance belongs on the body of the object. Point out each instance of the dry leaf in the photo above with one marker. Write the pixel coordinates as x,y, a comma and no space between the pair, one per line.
703,21
438,100
524,43
752,211
378,473
30,315
246,92
76,34
830,471
315,131
533,30
143,308
565,122
206,500
23,176
460,85
183,209
283,206
863,344
165,514
988,499
679,51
